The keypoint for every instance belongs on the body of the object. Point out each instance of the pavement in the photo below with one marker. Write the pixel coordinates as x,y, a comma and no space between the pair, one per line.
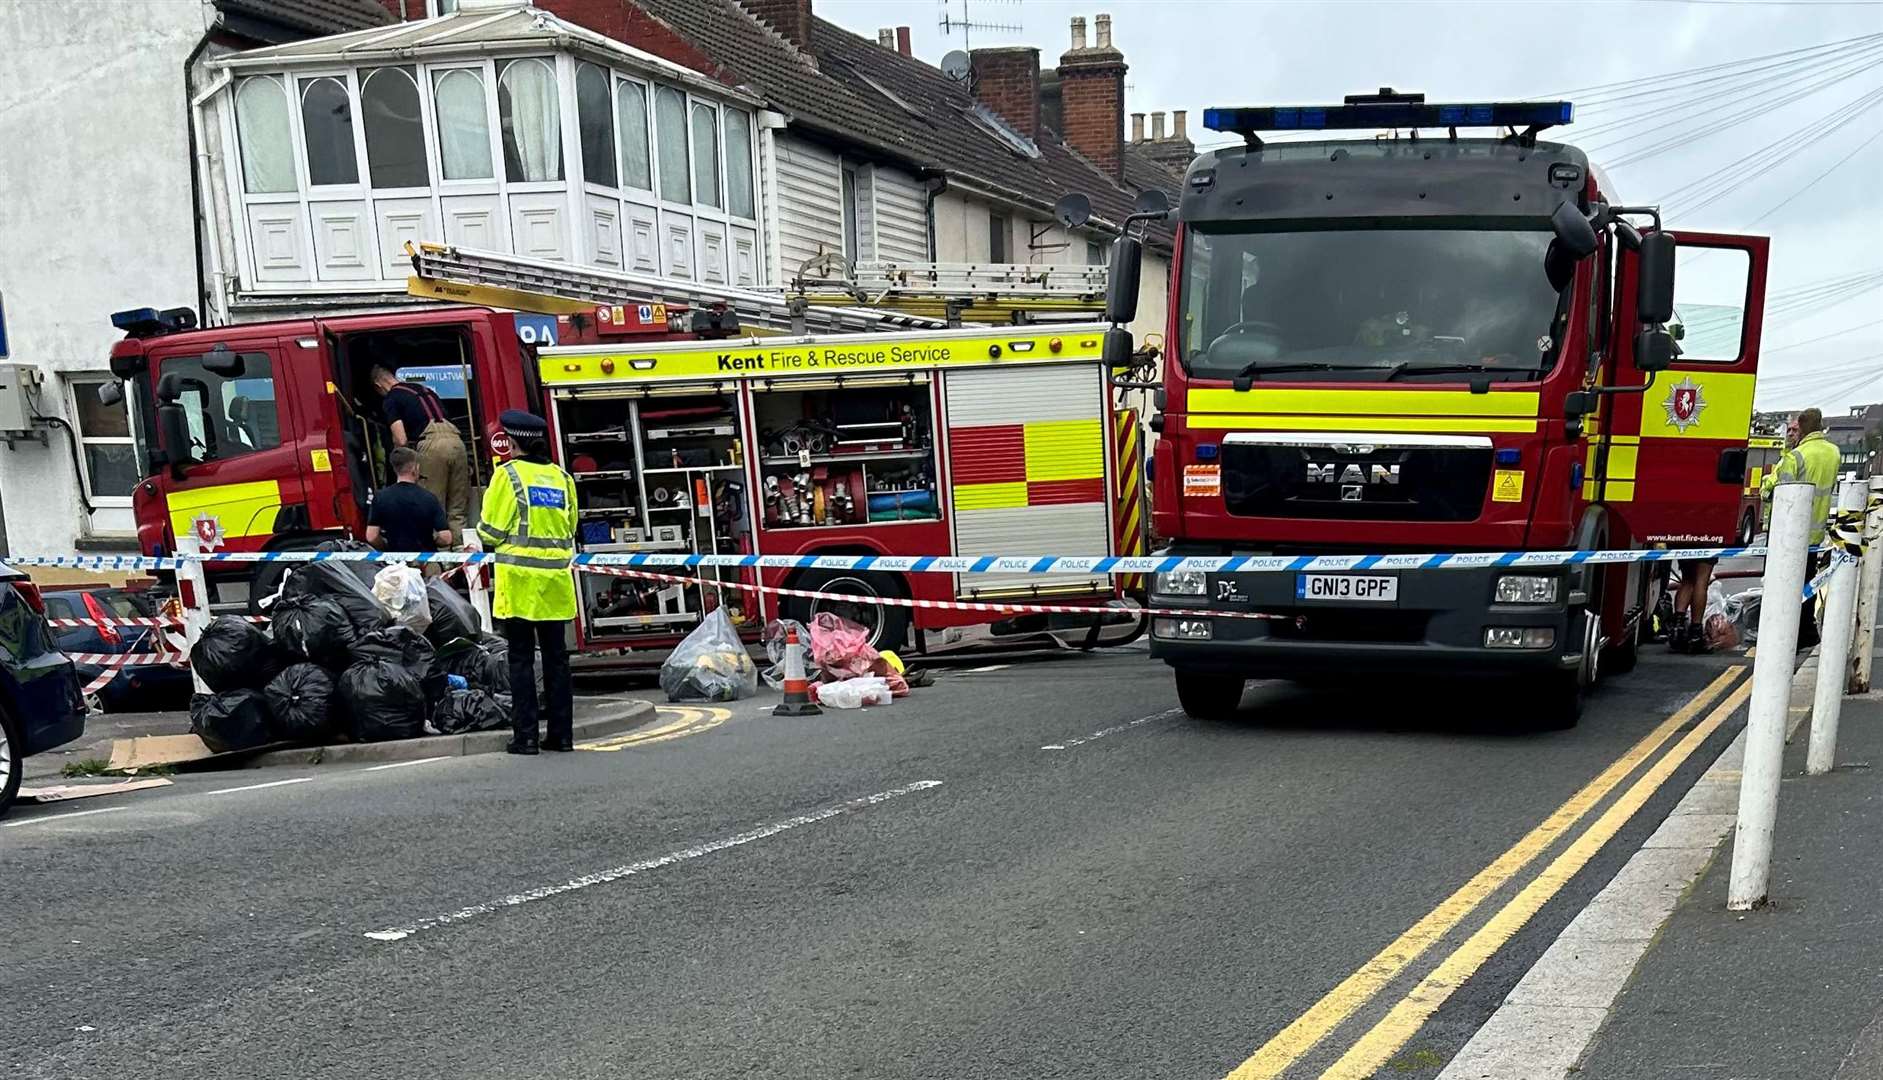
1792,990
1033,869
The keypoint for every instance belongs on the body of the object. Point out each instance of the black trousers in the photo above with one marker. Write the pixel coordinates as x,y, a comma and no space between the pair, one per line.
526,638
1807,615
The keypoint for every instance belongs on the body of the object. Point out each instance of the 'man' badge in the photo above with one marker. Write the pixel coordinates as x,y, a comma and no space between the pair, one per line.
548,497
1684,404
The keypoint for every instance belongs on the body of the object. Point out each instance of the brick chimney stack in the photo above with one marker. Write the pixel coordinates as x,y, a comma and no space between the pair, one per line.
1007,80
902,40
1092,86
1173,149
790,18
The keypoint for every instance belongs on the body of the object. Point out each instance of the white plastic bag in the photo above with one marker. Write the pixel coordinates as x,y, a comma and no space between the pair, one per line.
1720,631
400,589
854,693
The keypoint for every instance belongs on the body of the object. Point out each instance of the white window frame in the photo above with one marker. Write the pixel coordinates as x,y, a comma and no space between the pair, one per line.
574,186
88,382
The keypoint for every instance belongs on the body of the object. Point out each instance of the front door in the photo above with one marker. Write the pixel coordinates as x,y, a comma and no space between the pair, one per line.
239,472
1677,459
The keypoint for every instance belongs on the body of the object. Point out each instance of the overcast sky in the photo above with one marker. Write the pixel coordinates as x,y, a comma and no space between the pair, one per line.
1189,54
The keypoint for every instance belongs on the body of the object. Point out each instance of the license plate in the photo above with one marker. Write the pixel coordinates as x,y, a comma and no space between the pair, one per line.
1355,588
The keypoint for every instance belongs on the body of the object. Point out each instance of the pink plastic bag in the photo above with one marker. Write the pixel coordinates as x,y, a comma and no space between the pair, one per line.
841,650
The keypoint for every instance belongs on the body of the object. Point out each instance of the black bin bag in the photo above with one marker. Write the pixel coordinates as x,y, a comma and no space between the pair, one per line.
233,654
383,700
453,617
315,629
341,583
233,720
470,710
301,704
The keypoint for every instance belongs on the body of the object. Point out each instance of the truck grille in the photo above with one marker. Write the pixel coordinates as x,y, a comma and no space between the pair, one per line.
1394,479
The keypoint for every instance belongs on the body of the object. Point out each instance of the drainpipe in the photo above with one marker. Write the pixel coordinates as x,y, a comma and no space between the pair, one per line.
935,184
196,188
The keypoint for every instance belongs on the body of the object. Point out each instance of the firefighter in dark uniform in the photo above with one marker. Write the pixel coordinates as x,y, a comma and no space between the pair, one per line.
529,521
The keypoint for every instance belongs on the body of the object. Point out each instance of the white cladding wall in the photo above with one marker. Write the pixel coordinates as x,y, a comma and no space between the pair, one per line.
808,203
80,119
900,210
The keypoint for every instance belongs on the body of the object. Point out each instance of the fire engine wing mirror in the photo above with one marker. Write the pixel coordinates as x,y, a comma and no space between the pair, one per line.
1121,287
224,362
1072,210
1654,350
111,394
1654,275
1574,233
173,431
1118,349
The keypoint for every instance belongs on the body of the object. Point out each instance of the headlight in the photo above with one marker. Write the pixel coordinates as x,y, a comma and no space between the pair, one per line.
1179,583
1527,589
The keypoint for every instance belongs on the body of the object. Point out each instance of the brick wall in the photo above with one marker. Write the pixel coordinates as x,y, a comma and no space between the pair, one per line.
790,18
1007,80
1093,113
624,22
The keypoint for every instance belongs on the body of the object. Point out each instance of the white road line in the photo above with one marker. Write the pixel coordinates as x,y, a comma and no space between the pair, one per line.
1070,743
682,855
989,667
62,817
258,787
403,764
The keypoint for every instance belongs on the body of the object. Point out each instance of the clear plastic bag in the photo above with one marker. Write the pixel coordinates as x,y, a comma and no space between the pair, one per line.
1720,631
1743,609
854,693
711,664
400,589
775,632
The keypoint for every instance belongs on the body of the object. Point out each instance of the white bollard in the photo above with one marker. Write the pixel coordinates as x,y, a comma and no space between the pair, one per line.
1869,577
193,595
1840,612
1785,567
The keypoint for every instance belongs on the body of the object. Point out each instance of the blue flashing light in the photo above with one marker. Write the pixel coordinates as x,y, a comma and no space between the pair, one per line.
1575,476
1389,114
1509,456
133,318
1206,451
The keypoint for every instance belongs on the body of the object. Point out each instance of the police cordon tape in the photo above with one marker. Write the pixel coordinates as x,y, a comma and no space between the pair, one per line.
1816,584
949,605
941,564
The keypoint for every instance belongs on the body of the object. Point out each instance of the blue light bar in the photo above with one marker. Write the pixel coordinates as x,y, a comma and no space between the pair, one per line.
1388,114
134,318
149,322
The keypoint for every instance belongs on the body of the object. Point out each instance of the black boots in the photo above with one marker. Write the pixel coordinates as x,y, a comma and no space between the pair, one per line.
564,744
520,745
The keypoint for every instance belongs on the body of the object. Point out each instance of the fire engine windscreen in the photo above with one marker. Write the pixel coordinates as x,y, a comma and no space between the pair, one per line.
1369,304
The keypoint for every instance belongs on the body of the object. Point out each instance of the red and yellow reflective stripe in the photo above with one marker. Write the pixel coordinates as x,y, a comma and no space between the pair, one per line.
1039,463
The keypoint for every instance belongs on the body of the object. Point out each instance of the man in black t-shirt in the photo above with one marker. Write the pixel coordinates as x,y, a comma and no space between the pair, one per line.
406,517
417,419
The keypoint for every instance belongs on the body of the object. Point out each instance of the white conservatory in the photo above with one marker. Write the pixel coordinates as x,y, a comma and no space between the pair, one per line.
498,127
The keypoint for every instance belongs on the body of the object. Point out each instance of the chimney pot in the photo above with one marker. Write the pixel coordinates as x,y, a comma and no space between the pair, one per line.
902,40
1157,126
1078,32
1137,127
886,37
1103,25
1177,117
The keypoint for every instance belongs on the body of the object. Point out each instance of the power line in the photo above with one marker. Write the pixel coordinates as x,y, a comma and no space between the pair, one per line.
1827,337
1787,200
1595,90
1783,151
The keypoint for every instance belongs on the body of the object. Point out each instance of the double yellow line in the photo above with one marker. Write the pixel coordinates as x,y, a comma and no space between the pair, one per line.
1403,1020
686,721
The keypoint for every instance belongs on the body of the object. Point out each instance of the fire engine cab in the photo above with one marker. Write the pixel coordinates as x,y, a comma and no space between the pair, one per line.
1427,343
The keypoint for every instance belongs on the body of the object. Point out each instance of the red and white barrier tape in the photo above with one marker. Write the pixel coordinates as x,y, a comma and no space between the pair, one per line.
112,662
156,623
950,605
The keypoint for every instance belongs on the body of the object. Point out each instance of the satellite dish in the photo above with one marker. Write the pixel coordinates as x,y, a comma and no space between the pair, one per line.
957,66
1073,210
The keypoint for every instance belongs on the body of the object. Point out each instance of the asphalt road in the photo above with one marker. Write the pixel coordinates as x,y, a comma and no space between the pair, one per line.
1040,870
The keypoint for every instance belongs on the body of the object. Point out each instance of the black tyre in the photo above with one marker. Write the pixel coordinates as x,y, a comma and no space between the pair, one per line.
1565,693
12,760
888,624
1748,529
1209,697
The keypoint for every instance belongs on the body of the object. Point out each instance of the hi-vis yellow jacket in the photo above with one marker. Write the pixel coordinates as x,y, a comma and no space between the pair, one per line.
1815,460
530,523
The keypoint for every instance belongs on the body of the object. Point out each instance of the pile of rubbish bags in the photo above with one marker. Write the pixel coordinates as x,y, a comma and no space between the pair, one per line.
359,651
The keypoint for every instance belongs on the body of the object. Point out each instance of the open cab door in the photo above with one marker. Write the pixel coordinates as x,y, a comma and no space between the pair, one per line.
1677,452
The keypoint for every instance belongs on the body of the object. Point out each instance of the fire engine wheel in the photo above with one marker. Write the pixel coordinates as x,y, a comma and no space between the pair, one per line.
888,624
1209,697
1566,692
1748,529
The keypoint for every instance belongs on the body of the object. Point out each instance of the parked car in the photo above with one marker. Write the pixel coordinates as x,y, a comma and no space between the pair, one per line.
141,688
40,703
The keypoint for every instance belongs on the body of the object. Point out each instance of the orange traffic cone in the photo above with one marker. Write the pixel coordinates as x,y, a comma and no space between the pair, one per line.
797,687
